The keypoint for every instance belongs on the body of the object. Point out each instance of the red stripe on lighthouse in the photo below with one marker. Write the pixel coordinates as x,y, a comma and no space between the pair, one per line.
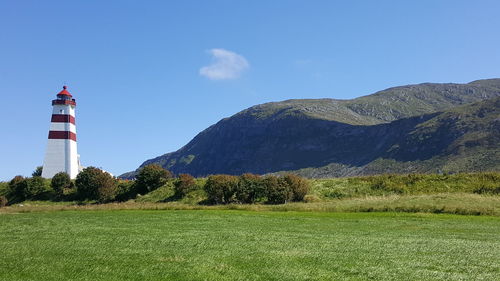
64,102
62,135
63,118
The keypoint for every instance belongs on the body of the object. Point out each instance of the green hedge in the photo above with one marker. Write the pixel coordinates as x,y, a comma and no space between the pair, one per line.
249,188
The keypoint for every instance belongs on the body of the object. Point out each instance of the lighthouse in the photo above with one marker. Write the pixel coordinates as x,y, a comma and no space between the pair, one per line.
61,154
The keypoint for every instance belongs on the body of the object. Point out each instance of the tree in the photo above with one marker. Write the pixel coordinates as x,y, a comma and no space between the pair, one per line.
127,189
297,185
250,189
278,191
184,184
37,172
60,182
95,184
220,188
151,177
16,187
35,188
21,188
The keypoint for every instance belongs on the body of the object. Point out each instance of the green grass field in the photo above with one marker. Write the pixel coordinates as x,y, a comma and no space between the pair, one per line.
247,245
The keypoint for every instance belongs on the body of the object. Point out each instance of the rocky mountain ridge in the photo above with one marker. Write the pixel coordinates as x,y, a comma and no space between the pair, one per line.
412,128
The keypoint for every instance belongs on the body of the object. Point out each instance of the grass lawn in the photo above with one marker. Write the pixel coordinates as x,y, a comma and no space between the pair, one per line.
247,245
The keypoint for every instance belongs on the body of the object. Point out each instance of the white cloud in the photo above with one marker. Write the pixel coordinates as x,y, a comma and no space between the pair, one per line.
225,65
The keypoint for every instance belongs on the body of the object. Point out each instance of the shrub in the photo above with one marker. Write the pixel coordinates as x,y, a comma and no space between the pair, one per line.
16,187
311,198
4,188
297,185
35,188
94,184
126,190
87,182
220,188
69,194
184,184
250,189
485,189
3,201
278,191
60,182
107,191
151,177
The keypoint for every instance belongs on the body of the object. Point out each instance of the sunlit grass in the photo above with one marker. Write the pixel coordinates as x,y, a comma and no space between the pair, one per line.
243,245
456,203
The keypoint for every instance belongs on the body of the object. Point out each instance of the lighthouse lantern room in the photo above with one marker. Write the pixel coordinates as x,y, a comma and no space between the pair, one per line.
61,154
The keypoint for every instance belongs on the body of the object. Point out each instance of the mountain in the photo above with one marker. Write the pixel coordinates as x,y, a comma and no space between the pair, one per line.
461,139
415,128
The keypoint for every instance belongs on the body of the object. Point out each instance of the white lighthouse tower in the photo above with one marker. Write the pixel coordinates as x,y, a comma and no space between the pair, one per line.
61,154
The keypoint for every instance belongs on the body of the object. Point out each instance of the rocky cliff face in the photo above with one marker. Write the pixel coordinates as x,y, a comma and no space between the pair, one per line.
409,128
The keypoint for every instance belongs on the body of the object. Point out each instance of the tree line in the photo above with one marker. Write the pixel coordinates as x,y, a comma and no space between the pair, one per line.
94,184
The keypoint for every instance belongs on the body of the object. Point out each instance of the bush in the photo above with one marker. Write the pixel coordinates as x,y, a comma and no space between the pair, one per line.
126,190
69,194
16,187
250,189
220,189
3,201
107,191
4,188
183,185
60,183
151,177
484,189
94,184
35,188
310,198
21,189
278,191
297,185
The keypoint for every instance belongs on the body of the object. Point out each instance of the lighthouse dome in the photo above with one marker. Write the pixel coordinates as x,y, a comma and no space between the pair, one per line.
64,93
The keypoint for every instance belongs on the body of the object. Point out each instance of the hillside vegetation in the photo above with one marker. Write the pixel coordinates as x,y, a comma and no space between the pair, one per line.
468,194
462,139
412,184
421,128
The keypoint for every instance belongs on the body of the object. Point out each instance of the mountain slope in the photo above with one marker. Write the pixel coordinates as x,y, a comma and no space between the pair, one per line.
462,139
384,106
329,137
412,100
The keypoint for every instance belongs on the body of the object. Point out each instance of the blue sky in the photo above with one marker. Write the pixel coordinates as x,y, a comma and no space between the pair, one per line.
149,75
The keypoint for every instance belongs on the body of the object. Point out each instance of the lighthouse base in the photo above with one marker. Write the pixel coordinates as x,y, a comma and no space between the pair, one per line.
61,156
